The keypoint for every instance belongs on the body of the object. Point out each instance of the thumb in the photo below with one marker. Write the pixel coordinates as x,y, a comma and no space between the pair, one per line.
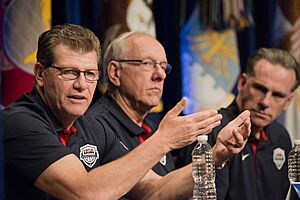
239,120
178,108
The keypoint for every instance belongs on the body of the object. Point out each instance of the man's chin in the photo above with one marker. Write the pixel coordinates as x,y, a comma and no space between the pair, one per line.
260,122
76,112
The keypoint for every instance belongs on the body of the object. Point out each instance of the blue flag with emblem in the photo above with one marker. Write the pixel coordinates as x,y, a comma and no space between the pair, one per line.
210,65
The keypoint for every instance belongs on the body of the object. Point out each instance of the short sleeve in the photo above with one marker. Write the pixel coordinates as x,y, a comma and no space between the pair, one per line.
113,147
30,144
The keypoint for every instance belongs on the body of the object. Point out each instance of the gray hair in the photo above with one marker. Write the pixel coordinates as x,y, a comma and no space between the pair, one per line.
118,47
274,56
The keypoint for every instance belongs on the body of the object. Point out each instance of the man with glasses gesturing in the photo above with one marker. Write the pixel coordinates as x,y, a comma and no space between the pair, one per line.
53,151
128,103
135,67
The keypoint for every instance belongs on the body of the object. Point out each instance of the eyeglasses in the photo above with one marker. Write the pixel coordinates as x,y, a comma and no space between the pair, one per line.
70,73
149,64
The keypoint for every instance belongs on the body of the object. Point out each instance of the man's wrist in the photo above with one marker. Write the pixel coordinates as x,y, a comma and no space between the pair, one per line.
220,155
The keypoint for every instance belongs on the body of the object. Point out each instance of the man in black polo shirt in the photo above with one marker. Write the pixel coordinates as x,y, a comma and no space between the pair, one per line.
136,66
259,171
52,151
130,134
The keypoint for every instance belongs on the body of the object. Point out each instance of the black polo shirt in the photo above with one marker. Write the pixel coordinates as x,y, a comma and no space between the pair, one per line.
106,110
249,176
31,144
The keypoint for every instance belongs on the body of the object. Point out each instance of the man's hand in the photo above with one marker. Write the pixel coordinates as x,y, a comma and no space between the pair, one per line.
232,138
178,131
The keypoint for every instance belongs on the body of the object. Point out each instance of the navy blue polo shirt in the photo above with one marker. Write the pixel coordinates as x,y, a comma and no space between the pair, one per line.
106,110
31,144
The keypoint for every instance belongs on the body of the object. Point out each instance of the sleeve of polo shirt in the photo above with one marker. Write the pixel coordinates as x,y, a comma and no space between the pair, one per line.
113,147
30,145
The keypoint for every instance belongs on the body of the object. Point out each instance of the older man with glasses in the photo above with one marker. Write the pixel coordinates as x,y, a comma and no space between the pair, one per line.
136,66
53,151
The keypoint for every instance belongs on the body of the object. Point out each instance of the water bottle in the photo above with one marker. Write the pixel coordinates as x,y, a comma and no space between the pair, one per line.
203,170
294,163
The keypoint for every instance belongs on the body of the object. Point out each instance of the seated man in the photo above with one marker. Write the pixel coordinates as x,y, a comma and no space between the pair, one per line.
136,67
52,150
266,90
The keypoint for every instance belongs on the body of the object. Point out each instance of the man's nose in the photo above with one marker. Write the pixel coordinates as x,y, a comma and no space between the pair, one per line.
159,71
80,82
266,100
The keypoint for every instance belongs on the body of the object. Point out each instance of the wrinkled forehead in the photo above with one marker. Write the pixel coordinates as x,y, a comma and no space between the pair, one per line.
144,46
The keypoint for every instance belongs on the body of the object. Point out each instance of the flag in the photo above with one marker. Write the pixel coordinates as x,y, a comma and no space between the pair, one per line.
286,36
210,64
21,24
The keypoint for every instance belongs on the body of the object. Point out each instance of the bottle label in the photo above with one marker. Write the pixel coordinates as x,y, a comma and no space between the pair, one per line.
278,157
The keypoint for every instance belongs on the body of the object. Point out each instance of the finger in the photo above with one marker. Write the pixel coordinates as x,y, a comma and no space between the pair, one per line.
239,120
209,128
209,122
206,130
236,143
238,139
246,129
202,115
178,108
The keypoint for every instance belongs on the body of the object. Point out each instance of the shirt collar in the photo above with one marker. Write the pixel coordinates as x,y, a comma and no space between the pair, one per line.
112,106
48,113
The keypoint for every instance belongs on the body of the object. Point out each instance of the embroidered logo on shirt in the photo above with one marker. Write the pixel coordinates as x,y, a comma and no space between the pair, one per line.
244,156
163,160
89,154
278,157
124,145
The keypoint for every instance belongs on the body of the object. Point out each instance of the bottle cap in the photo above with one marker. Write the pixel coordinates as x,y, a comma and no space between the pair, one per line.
296,142
204,138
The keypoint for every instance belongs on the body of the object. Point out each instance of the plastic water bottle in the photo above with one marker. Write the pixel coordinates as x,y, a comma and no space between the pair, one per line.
203,170
294,163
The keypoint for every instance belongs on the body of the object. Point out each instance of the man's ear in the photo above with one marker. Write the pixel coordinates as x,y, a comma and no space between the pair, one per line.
38,74
241,82
113,73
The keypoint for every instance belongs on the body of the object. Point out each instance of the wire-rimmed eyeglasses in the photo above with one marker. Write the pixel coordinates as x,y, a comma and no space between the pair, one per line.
148,64
71,73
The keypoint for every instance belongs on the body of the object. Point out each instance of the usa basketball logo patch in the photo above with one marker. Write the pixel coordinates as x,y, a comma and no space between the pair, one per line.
89,155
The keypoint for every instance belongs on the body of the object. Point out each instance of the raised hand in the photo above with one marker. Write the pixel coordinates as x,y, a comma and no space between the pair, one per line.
178,131
233,137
